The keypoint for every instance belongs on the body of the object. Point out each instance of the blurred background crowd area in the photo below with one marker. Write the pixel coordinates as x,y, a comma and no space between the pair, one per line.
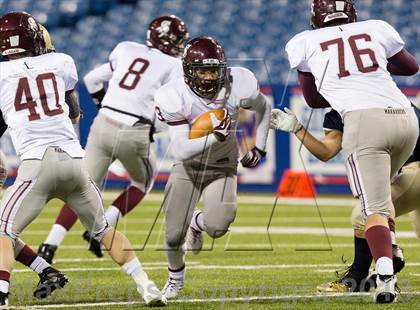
253,32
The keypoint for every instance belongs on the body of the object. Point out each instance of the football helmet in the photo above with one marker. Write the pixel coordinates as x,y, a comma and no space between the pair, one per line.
201,54
329,12
49,46
19,33
168,33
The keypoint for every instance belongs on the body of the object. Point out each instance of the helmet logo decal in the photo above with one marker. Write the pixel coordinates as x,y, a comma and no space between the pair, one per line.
32,24
339,5
211,61
164,28
14,40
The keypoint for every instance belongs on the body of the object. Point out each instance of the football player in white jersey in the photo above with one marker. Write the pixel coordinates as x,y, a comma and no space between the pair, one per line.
347,61
38,105
50,278
205,166
124,125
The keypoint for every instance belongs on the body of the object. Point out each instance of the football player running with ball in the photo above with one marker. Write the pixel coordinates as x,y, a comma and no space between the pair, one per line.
347,61
206,166
123,127
38,105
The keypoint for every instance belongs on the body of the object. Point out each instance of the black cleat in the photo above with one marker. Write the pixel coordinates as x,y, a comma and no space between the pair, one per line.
397,258
47,252
50,280
4,299
94,245
349,281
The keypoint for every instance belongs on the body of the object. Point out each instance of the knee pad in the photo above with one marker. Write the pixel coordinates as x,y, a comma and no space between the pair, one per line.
218,227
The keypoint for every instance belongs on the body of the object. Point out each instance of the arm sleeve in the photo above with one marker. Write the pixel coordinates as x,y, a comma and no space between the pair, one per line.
392,41
402,63
312,97
263,112
184,148
94,79
70,74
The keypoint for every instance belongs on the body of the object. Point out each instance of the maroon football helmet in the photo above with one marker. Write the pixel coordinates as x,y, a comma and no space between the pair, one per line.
19,33
168,33
204,53
330,12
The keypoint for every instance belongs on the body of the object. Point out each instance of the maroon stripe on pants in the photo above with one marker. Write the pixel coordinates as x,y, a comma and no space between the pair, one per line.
27,183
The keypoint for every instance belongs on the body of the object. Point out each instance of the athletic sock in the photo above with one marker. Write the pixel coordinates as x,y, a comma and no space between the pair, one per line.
4,281
124,203
177,274
39,265
379,240
56,235
135,270
26,256
66,218
362,256
197,221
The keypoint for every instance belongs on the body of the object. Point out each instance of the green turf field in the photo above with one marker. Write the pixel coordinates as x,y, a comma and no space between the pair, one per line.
247,269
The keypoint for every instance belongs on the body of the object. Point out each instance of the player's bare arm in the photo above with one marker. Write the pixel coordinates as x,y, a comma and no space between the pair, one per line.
74,106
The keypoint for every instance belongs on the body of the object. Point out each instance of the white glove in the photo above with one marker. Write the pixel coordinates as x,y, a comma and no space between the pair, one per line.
286,121
221,128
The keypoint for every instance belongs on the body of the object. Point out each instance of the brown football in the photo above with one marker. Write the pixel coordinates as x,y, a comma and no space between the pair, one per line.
203,125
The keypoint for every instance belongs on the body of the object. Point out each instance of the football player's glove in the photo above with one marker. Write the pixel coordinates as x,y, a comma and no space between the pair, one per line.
221,128
98,97
286,121
252,158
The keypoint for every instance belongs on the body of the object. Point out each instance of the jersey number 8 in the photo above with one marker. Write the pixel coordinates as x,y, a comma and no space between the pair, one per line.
136,71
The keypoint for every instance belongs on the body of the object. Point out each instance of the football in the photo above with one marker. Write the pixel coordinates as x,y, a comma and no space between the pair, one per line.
203,125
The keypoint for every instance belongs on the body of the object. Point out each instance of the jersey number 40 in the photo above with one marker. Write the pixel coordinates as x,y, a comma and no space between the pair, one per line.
357,53
24,90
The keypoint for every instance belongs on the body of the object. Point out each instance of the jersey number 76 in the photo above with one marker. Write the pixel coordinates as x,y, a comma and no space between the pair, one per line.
357,53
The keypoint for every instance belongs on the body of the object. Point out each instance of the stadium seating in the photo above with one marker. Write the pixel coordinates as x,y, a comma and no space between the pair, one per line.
253,32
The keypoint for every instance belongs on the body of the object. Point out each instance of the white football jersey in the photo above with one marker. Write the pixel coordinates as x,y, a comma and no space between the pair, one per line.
177,104
32,101
355,57
137,73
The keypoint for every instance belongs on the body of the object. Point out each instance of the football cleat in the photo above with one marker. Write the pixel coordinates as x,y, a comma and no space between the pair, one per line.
385,289
350,281
151,294
49,280
94,245
172,288
397,258
47,252
194,242
4,299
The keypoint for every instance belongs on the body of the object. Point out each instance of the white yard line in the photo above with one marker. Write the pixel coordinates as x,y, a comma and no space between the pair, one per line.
214,267
210,300
257,230
237,246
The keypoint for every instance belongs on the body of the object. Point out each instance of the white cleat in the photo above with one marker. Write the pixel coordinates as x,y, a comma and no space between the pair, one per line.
172,288
385,289
194,242
151,295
